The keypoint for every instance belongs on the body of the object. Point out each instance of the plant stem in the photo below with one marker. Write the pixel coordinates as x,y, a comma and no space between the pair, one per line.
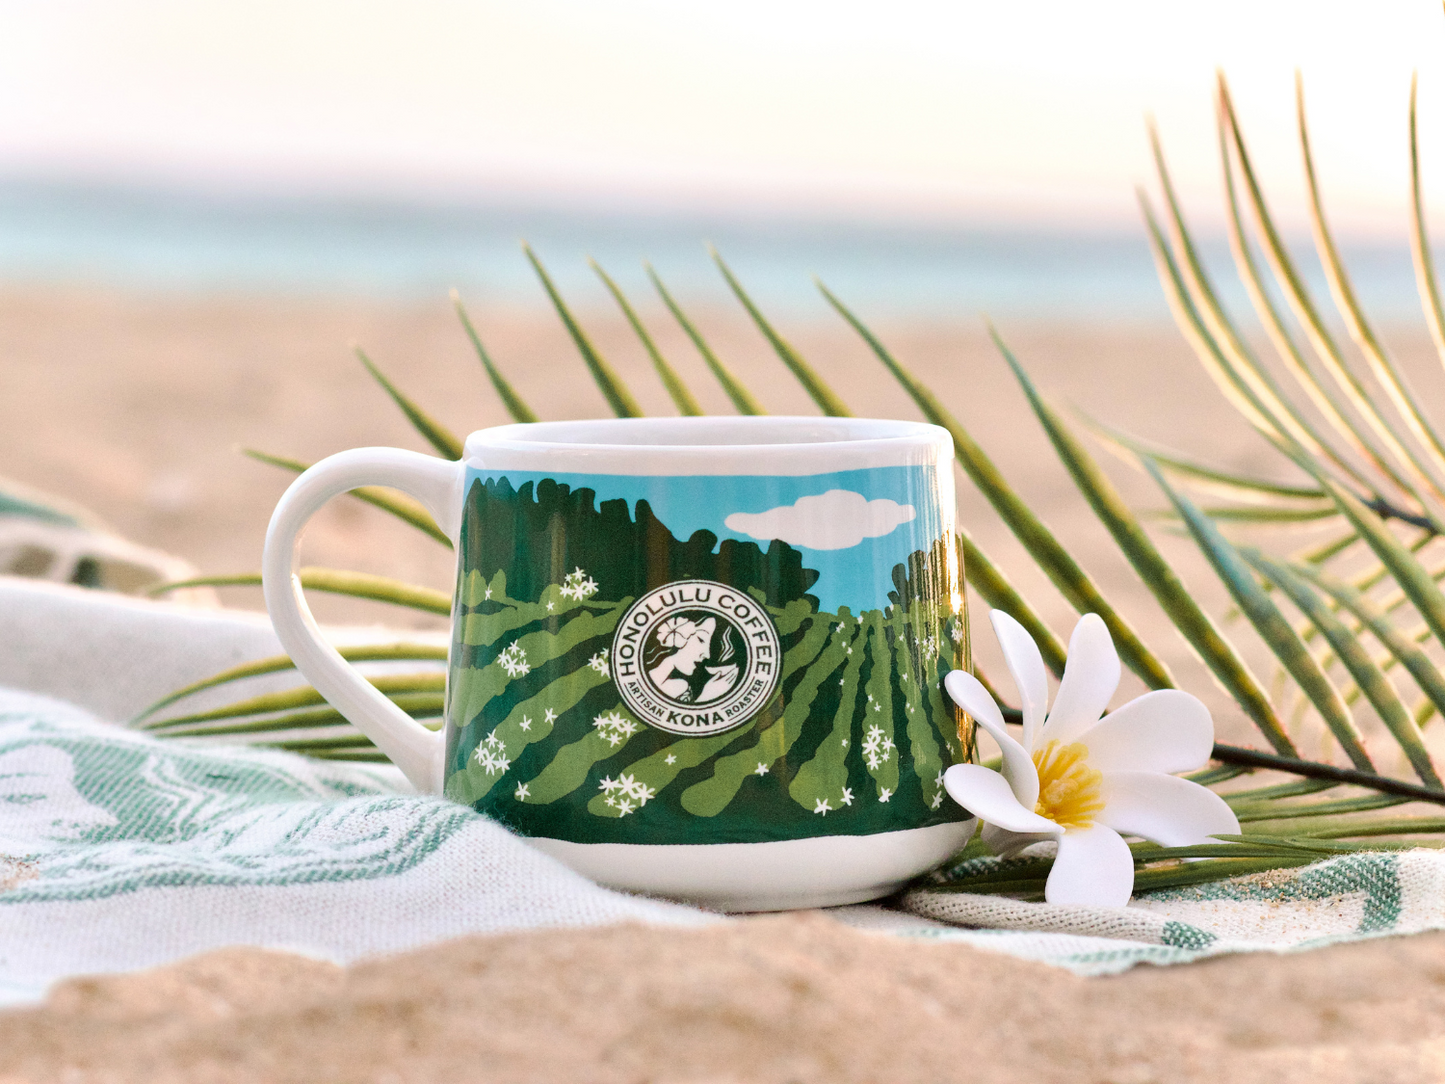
1253,758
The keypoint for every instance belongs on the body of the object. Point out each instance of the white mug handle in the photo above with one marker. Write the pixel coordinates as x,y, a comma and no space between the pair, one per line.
437,483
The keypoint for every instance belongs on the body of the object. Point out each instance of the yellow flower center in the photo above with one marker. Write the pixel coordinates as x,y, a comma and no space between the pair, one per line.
1070,792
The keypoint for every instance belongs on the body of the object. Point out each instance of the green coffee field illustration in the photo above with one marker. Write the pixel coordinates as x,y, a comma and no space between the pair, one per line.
854,740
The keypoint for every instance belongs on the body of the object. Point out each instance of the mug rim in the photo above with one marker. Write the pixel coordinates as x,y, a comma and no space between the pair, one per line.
807,442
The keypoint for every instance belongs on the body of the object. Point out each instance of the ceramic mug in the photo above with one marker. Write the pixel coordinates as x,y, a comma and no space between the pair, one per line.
693,657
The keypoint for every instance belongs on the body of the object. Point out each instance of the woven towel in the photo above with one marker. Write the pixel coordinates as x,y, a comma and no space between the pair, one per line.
1349,898
120,851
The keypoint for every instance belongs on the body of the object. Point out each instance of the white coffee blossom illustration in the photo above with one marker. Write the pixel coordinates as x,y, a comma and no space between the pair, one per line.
1083,778
877,747
615,727
514,661
626,793
491,755
578,586
598,662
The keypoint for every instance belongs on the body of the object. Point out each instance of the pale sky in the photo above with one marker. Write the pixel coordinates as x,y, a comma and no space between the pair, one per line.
971,109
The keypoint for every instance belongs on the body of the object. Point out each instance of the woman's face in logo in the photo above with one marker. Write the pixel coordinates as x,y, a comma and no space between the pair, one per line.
681,643
696,645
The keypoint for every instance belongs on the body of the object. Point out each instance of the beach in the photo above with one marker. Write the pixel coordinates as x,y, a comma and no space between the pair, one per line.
135,406
795,999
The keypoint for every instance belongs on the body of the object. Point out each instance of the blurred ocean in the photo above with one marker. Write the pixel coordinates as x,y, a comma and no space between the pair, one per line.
173,240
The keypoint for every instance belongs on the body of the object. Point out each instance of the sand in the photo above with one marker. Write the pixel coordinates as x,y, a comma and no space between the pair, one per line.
134,406
795,999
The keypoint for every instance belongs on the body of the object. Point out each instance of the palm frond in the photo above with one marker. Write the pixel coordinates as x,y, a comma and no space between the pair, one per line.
685,401
614,390
1415,582
995,589
742,399
1356,659
1163,582
396,652
410,684
404,508
1187,317
826,398
1425,279
518,409
1321,396
1297,295
337,582
1259,515
1133,451
1155,867
1386,372
436,434
1402,648
1271,625
1243,367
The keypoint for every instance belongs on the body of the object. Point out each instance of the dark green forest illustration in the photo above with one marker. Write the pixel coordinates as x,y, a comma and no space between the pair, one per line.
540,534
854,742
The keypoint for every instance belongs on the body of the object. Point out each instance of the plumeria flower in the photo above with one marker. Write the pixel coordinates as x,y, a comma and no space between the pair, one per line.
1084,778
674,632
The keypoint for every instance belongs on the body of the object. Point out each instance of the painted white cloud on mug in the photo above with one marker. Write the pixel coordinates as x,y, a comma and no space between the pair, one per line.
834,520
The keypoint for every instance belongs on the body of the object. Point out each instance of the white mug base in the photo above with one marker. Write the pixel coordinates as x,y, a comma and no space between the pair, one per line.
824,871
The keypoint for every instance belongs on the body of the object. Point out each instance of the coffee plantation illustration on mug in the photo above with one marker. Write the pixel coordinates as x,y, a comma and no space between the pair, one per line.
694,657
721,659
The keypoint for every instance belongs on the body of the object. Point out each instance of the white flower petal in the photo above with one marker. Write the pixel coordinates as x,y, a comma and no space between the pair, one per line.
1005,843
1093,869
1091,675
1165,809
1027,667
987,795
1018,767
1163,731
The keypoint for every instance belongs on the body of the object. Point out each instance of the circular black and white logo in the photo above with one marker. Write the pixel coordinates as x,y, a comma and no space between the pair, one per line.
696,657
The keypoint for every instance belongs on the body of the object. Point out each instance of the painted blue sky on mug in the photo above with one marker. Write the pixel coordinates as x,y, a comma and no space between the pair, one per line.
852,527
